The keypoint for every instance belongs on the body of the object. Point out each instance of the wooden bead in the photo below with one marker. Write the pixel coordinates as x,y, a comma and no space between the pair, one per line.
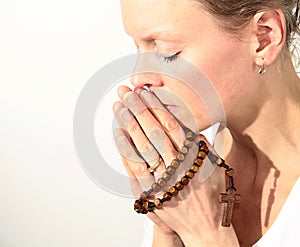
167,196
145,205
180,157
175,163
201,155
220,162
194,168
198,162
179,185
171,170
156,187
190,135
184,150
204,148
229,172
144,195
166,176
173,191
188,143
161,182
158,203
137,205
202,143
189,174
185,180
151,206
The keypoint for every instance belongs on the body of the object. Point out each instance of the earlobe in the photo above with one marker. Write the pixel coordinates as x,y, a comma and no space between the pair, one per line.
268,31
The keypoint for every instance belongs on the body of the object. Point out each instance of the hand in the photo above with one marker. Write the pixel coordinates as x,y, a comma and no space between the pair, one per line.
148,131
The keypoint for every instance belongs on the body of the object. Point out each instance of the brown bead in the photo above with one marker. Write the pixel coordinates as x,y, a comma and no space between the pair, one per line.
229,172
190,135
161,182
158,203
144,195
220,162
184,150
180,157
175,163
156,187
198,162
185,180
173,191
202,143
145,205
151,206
194,168
201,155
189,174
179,185
167,196
188,143
204,148
137,205
171,170
166,176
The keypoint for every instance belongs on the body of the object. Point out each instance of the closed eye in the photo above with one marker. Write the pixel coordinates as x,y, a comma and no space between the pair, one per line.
171,58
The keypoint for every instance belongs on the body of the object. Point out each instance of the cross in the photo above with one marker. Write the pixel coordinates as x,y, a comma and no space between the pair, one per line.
229,198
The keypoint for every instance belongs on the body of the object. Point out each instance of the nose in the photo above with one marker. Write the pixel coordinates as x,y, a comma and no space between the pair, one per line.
146,72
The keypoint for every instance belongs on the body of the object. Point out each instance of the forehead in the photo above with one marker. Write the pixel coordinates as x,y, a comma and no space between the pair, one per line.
142,17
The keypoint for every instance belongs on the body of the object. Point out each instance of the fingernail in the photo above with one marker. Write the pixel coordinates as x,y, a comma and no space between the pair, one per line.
126,114
116,106
147,96
131,98
122,141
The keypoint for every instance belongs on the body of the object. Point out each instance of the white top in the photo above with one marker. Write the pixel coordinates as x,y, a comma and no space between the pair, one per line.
285,231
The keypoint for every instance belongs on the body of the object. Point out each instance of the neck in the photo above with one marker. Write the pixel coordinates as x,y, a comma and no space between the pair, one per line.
272,130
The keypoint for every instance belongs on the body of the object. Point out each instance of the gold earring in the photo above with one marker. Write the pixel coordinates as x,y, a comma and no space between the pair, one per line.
262,68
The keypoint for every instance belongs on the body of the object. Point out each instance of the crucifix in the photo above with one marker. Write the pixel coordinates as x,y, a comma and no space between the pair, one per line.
229,198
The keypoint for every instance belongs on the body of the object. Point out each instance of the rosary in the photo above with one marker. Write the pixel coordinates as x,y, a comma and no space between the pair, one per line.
148,202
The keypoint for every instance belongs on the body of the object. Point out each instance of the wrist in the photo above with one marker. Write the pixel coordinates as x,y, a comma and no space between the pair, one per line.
166,239
223,236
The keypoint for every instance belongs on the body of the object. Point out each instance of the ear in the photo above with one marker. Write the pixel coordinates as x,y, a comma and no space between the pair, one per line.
268,35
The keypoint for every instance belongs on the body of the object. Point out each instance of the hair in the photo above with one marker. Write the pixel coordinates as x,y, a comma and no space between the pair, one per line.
233,15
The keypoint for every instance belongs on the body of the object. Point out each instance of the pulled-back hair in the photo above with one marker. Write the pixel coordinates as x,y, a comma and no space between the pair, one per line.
233,15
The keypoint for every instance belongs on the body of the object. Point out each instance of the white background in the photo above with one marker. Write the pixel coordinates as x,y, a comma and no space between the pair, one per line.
48,51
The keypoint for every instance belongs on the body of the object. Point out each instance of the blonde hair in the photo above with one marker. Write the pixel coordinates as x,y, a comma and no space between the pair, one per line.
233,15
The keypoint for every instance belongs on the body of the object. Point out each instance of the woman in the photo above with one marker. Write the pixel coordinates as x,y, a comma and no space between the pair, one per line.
242,47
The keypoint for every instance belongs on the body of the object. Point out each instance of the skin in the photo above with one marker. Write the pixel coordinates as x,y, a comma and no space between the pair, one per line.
260,110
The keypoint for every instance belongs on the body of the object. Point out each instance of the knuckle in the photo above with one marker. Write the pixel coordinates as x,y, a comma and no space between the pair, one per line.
171,124
148,152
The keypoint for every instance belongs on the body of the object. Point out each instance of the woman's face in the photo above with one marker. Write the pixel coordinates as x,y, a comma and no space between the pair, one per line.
182,30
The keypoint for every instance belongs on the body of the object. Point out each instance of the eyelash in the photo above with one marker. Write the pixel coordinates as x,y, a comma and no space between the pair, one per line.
170,58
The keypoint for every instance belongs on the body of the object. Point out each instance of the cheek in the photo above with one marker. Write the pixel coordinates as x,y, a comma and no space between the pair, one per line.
225,69
199,109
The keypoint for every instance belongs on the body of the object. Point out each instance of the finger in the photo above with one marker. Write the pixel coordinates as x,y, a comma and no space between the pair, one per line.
144,147
165,118
150,126
133,163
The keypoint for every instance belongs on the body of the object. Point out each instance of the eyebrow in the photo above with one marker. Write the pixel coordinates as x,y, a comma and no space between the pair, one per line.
161,34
